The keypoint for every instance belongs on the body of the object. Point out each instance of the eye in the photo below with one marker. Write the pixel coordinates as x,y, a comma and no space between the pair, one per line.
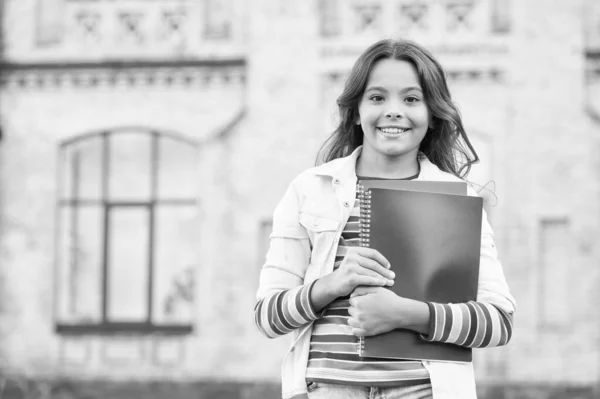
412,99
376,98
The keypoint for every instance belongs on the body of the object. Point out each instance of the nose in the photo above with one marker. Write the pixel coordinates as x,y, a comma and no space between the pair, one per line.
393,114
394,110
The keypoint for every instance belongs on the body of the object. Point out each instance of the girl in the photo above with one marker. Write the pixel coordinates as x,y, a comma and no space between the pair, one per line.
397,121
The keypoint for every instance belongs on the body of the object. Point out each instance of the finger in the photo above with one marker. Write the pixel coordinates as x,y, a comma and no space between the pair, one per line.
368,263
352,311
352,322
363,271
353,302
358,332
374,254
371,281
363,290
365,260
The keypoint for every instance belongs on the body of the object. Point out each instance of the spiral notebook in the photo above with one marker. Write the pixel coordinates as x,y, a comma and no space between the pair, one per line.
433,242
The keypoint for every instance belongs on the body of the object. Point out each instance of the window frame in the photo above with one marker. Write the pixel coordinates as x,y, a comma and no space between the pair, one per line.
546,322
105,326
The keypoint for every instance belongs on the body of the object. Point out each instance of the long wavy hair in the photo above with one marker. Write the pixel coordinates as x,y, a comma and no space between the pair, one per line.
445,144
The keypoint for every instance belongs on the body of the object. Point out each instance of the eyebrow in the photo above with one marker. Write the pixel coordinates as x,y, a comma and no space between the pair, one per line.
406,89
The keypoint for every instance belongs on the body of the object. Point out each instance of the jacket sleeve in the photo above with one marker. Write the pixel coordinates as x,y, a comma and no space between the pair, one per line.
283,301
486,322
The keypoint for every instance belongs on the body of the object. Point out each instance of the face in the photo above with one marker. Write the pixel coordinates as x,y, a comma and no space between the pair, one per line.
392,111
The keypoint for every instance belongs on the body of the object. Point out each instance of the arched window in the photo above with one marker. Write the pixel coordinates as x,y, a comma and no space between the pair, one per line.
127,232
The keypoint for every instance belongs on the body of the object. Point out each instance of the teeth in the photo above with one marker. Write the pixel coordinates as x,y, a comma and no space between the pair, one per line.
392,130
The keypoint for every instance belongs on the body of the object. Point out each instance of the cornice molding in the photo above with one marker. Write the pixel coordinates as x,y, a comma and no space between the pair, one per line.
133,73
481,75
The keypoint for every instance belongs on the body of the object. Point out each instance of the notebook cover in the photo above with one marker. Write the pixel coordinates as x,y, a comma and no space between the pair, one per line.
433,243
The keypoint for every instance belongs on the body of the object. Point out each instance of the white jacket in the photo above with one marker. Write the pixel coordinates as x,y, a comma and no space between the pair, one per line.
314,211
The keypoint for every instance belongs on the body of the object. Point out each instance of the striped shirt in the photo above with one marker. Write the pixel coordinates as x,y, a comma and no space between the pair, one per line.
333,353
334,357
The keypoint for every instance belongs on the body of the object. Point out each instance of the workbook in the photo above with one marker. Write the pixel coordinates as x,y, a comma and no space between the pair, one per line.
433,242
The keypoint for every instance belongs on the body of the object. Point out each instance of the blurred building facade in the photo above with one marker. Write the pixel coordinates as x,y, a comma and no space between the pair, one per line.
145,144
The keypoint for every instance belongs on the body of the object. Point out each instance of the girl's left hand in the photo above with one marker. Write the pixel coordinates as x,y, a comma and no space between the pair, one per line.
377,310
373,311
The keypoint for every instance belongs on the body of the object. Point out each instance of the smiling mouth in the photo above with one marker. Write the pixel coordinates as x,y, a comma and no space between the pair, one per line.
393,130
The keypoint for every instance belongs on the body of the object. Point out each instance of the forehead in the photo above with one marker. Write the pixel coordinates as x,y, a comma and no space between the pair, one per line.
393,73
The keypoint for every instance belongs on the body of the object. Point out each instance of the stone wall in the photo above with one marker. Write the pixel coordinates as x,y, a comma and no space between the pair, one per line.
522,93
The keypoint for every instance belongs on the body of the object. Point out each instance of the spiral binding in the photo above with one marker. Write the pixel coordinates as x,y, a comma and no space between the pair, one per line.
364,220
361,346
364,234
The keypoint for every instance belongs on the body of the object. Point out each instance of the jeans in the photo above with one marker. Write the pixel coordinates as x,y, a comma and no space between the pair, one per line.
318,390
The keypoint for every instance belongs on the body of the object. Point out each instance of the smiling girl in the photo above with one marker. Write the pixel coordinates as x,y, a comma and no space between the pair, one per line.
397,121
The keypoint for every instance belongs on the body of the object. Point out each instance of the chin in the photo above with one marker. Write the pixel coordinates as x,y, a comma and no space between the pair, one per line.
394,151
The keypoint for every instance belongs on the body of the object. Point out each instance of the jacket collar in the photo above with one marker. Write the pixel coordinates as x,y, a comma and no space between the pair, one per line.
345,168
341,167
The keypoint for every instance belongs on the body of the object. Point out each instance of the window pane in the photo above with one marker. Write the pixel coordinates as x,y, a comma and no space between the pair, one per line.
217,20
175,263
82,169
130,166
176,170
80,264
128,264
501,17
330,23
556,260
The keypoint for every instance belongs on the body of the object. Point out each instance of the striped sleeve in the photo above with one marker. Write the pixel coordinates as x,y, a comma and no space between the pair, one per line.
284,311
472,324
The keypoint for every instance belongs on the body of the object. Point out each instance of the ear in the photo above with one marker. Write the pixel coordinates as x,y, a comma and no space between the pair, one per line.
357,120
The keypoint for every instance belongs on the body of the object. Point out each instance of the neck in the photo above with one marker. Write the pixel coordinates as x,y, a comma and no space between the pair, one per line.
387,167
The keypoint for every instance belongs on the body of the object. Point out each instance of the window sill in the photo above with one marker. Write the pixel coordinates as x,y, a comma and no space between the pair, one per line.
119,328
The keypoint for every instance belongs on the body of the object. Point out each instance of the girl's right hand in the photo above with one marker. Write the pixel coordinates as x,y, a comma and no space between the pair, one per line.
361,266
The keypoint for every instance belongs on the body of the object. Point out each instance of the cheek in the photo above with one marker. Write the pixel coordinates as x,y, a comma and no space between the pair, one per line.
366,124
428,116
